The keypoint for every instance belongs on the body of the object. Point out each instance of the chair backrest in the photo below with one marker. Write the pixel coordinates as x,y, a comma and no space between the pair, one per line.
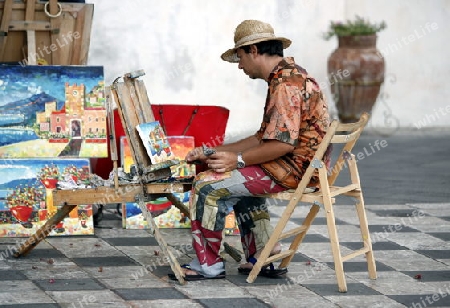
347,134
343,133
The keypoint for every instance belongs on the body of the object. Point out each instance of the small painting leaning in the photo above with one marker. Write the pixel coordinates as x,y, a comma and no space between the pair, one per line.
26,196
52,111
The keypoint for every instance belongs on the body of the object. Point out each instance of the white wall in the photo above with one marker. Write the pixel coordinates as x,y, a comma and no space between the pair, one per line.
179,43
416,50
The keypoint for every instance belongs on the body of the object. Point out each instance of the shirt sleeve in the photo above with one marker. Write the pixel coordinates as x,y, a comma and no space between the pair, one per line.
283,114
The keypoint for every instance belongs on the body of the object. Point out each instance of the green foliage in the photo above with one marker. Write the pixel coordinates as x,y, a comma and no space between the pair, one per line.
58,135
359,26
48,172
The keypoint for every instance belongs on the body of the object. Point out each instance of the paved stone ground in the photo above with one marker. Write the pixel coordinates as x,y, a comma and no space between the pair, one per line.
406,185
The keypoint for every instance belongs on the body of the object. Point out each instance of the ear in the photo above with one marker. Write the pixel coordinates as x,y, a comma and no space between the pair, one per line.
253,49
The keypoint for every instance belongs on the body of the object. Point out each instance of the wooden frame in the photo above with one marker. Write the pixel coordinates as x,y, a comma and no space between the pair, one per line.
29,35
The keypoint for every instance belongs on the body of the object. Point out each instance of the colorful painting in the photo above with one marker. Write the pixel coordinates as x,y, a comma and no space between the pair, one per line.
26,196
127,157
180,146
165,214
155,142
231,226
52,111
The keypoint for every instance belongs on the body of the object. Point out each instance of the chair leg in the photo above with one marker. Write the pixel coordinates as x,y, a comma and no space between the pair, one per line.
364,227
299,238
279,228
335,249
266,251
332,233
363,224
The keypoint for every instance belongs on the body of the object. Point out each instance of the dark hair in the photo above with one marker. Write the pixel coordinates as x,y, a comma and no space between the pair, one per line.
269,47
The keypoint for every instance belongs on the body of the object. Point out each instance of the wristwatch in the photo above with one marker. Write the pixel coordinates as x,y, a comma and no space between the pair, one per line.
240,161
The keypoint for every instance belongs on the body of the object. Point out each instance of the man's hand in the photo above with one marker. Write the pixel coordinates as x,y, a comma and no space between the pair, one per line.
195,156
222,161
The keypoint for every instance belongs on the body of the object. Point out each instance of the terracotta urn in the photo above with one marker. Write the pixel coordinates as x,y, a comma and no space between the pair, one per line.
356,72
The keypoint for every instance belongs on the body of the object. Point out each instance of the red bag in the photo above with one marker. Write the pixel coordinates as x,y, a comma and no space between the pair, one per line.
207,124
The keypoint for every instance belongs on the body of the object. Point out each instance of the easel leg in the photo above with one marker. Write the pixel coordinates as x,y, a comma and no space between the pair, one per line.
175,201
176,268
45,230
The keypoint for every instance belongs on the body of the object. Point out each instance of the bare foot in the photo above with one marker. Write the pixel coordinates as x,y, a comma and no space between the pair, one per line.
187,271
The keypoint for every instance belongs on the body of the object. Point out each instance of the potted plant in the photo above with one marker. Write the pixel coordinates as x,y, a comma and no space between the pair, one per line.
355,68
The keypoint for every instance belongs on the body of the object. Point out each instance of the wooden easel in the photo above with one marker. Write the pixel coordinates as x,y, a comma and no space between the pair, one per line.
134,109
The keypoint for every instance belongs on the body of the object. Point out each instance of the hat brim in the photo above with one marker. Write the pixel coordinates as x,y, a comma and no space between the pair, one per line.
231,56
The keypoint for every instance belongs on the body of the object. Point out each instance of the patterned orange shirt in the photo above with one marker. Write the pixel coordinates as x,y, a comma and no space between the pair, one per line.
296,111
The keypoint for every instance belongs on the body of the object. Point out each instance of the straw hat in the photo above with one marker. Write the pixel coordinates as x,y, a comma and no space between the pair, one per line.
251,32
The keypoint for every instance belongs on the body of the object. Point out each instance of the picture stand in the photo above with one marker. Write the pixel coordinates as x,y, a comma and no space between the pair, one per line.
132,93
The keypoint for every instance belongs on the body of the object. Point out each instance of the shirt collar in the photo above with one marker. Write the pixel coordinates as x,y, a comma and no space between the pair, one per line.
282,64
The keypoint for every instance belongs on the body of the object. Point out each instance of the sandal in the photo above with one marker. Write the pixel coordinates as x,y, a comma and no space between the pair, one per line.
195,277
269,272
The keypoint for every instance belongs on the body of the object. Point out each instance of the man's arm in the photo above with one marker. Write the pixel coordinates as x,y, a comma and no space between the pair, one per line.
239,146
266,151
235,147
223,161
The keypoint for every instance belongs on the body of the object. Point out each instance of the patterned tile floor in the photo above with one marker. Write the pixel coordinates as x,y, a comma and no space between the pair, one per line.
407,197
123,268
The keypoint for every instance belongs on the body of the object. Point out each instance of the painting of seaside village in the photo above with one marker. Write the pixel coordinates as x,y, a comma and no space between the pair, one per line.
26,196
52,111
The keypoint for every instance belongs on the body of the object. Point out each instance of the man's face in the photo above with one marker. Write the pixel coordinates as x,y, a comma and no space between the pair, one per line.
247,63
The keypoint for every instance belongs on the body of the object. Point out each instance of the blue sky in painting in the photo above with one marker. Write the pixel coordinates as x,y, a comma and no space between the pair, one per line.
21,82
19,169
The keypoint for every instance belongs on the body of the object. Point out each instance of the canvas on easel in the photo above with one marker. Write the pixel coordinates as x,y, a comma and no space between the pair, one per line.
126,156
155,142
179,145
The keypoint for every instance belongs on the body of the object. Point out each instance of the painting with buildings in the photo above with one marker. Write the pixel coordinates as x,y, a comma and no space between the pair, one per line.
52,111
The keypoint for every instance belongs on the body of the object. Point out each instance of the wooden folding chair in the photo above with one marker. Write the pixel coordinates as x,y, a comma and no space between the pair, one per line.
346,134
